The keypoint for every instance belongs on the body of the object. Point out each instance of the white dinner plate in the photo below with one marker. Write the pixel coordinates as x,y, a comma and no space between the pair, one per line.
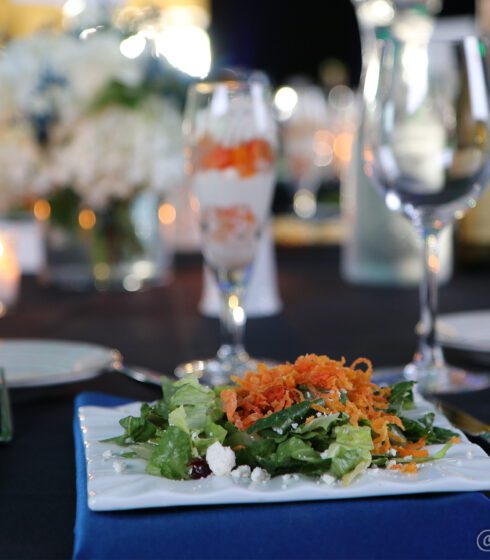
467,331
466,467
35,363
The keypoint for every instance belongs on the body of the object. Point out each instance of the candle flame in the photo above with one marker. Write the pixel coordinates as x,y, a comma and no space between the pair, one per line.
167,214
42,210
87,219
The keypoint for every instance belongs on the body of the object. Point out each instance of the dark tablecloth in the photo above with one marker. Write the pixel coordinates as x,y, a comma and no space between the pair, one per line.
160,328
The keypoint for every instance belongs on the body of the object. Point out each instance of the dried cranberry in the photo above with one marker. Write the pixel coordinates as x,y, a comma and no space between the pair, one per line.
199,468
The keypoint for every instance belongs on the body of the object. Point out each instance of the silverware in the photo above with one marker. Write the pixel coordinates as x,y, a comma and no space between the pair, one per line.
6,423
465,422
143,375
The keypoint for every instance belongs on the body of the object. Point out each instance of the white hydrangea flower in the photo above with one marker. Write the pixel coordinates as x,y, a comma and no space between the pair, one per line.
118,150
96,62
20,160
110,153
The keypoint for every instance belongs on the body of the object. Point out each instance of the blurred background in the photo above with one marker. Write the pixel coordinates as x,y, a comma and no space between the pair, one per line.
91,101
287,38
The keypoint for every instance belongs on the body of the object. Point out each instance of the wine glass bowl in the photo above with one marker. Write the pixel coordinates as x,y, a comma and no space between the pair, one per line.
427,149
428,144
230,136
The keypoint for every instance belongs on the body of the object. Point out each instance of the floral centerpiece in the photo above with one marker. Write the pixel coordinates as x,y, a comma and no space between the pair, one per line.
92,139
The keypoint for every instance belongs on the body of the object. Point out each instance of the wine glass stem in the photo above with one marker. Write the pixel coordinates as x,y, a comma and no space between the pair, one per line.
233,319
429,354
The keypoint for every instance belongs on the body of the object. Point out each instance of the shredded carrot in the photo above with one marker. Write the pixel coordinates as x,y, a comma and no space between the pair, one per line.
409,468
268,390
414,449
455,439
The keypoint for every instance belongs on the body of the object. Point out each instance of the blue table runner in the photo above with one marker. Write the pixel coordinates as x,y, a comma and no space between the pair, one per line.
422,526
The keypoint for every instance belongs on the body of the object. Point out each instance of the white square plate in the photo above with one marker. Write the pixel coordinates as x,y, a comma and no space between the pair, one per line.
466,467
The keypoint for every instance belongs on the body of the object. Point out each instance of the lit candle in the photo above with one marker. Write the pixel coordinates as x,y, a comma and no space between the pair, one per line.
9,275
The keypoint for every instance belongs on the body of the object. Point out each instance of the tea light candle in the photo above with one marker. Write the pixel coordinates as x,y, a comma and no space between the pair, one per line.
9,275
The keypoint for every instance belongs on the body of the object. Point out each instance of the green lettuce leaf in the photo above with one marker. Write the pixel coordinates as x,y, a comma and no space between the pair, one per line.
138,429
354,438
355,472
215,431
212,433
294,456
168,389
188,391
295,448
282,420
172,455
249,448
323,423
141,428
401,397
198,402
424,427
178,418
352,447
345,460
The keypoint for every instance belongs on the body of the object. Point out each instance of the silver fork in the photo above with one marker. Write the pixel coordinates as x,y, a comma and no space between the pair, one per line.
6,424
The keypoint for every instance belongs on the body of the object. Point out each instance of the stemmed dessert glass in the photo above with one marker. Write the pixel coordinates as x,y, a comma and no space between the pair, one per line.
427,148
230,136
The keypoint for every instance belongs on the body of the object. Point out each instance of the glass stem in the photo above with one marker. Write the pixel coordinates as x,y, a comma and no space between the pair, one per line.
233,320
429,354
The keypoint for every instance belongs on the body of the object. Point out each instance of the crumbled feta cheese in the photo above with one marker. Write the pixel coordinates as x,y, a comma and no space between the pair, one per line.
287,478
392,452
243,471
319,414
119,466
294,425
324,454
107,454
327,479
279,431
391,463
221,460
260,475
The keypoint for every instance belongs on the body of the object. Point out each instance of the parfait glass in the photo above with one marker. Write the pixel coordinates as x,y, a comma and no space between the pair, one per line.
230,136
426,147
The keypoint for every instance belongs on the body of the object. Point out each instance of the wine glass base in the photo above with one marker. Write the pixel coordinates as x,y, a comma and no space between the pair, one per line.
214,371
449,379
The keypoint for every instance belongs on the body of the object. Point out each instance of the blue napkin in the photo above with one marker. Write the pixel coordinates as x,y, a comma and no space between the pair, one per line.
425,526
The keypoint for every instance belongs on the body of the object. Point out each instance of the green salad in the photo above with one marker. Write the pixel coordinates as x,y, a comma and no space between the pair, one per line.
316,429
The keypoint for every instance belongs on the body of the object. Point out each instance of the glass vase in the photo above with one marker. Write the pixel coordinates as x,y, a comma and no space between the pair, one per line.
124,246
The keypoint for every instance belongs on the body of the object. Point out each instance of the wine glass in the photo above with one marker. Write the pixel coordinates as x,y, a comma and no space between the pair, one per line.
307,143
427,148
231,143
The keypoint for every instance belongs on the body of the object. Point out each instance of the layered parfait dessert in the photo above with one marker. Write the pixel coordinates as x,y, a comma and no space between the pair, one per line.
233,177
